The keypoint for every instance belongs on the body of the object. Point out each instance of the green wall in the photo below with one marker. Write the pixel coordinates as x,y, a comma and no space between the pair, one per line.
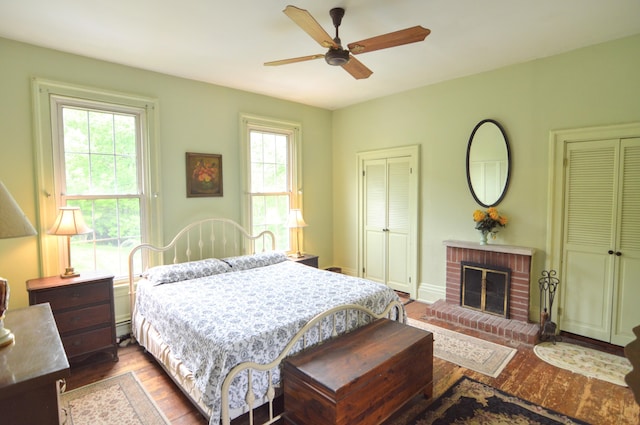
599,85
194,117
594,86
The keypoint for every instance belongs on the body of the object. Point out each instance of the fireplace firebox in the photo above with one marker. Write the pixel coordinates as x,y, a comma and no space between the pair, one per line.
485,288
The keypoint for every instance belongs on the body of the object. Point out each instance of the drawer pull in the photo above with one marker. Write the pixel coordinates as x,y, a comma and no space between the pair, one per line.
77,342
75,295
75,319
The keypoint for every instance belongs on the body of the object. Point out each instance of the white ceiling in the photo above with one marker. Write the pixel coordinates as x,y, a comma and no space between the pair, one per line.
226,43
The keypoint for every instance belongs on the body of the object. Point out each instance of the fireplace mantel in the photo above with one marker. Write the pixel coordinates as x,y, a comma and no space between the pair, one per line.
507,249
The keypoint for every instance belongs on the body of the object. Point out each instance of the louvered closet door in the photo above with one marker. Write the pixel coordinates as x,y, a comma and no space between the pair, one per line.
398,172
589,235
375,219
627,291
386,257
601,257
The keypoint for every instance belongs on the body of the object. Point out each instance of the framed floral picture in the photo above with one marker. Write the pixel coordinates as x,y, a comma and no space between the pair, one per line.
204,175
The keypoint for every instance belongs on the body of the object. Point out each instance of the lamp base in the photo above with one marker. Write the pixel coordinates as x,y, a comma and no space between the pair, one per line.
69,272
6,336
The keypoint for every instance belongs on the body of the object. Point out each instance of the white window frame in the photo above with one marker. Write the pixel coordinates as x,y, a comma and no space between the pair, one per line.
48,95
250,123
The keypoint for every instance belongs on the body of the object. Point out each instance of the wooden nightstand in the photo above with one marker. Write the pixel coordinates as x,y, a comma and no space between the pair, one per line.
31,367
306,259
84,312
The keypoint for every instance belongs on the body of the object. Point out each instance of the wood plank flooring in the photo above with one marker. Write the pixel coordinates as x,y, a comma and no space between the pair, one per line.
526,376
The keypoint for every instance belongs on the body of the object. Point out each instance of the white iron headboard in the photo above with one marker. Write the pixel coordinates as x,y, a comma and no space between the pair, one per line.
207,238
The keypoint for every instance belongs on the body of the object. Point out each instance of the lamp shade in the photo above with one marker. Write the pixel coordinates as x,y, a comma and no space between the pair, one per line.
295,219
13,222
69,223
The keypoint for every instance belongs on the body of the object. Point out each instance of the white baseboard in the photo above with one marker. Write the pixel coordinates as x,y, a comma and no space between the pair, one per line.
429,293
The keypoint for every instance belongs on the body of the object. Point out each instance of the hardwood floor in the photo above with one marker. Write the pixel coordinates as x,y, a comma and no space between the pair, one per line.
526,376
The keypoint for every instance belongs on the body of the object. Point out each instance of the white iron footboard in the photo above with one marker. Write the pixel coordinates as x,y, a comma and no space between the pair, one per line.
394,311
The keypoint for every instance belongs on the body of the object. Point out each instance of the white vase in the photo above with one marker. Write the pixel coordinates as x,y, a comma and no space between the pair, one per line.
483,238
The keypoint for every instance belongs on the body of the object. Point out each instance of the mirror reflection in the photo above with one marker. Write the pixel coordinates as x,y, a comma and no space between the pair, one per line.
488,163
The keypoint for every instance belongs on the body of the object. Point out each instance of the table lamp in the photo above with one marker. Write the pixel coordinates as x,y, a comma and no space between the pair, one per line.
13,224
69,223
296,221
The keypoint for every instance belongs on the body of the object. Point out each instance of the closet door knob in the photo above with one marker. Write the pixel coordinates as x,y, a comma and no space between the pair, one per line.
610,252
618,253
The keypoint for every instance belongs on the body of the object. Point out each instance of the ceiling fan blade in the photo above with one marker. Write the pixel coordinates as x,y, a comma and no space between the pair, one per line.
310,26
392,39
294,60
357,69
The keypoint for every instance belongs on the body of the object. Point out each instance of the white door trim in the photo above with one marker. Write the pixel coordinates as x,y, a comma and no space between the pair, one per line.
558,140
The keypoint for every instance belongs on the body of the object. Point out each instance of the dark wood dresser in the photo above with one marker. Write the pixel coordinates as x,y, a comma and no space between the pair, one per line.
31,367
362,377
83,308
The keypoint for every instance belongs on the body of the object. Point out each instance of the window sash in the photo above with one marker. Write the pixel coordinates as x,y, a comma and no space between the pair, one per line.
103,207
267,205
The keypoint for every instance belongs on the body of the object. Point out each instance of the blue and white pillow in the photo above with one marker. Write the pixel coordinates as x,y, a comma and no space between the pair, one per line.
185,271
246,262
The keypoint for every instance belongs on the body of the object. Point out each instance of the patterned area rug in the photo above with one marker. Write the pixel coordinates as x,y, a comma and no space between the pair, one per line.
119,400
466,351
585,361
472,402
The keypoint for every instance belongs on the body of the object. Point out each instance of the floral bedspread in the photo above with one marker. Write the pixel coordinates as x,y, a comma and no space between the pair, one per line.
214,322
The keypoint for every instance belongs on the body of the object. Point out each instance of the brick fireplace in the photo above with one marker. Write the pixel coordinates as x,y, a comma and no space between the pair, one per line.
518,260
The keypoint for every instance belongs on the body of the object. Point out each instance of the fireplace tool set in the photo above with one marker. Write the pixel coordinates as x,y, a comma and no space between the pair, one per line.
548,284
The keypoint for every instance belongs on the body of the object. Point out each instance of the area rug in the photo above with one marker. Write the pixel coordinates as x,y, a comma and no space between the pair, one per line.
473,353
119,400
585,361
472,402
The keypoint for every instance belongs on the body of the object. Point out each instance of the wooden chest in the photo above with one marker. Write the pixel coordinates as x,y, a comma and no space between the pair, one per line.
359,378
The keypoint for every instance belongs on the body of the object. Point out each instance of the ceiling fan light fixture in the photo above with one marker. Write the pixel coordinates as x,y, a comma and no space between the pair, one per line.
337,57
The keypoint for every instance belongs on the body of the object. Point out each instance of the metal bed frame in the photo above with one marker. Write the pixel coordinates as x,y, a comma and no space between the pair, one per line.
219,238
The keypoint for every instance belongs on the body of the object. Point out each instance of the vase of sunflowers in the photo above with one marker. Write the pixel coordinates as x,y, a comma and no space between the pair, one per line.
487,223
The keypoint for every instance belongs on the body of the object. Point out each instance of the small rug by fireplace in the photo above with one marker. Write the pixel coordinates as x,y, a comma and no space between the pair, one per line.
113,401
473,353
472,402
585,361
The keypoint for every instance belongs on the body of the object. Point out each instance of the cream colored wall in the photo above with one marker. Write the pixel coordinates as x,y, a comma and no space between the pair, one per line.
594,86
194,117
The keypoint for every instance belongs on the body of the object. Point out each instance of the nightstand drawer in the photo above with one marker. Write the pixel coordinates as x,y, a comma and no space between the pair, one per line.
87,342
77,295
83,318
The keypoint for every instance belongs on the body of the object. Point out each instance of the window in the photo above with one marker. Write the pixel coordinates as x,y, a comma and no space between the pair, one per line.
98,171
98,148
272,184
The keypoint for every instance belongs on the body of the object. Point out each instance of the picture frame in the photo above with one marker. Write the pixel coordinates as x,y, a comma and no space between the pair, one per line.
204,175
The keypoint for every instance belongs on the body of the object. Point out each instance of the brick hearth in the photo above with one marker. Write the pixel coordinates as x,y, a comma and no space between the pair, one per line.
512,330
518,260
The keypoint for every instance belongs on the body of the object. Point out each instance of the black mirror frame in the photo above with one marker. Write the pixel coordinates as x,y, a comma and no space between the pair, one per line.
506,184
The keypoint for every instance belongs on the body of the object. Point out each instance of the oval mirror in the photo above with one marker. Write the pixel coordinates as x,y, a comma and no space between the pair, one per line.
488,163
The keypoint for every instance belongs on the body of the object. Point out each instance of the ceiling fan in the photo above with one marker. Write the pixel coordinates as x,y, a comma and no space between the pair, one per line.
337,55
